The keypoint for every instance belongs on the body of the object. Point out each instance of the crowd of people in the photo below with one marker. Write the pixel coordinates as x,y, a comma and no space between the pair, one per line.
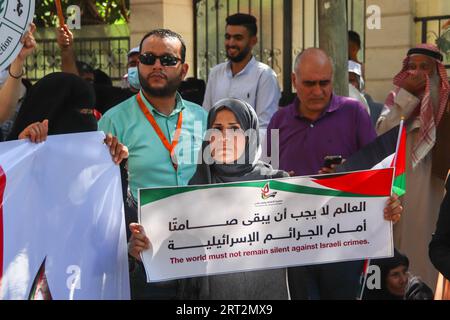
148,123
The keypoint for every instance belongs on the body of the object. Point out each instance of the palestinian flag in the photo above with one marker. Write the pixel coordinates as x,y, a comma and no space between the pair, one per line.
388,150
40,289
399,163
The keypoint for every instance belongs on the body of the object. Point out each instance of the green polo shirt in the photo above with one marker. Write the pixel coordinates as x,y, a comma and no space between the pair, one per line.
149,162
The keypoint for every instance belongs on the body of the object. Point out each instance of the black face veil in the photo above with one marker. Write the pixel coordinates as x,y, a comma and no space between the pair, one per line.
66,100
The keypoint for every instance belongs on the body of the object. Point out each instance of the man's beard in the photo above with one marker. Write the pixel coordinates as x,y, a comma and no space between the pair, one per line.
167,91
241,56
435,95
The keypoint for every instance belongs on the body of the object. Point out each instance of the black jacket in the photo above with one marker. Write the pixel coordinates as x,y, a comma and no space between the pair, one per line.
439,249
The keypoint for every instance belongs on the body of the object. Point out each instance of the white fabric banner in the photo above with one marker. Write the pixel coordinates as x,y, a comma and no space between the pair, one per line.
223,228
62,220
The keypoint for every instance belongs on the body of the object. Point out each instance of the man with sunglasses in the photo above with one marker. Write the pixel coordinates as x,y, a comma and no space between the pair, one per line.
163,133
317,124
242,76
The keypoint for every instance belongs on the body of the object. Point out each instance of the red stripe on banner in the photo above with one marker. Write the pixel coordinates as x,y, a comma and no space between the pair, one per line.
366,266
2,192
369,183
400,165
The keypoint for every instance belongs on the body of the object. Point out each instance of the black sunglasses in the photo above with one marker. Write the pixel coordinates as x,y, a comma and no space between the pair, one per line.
166,60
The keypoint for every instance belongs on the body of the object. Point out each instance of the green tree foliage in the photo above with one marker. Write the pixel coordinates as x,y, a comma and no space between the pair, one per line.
92,11
443,42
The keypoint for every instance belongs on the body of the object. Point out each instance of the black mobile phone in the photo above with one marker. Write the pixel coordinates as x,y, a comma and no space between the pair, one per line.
329,160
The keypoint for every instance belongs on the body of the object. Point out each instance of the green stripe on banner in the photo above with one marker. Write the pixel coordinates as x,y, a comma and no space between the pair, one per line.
399,187
155,194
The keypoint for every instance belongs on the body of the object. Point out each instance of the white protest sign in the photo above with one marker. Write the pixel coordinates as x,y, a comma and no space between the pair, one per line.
223,228
15,18
62,226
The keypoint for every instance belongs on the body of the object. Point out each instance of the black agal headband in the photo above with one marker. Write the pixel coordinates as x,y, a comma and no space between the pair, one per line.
426,52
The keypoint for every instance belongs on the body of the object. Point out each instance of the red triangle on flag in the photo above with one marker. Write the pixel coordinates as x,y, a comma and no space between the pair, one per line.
400,158
370,183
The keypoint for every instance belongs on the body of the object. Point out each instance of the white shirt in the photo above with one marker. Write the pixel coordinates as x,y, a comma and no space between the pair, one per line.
355,94
256,84
406,103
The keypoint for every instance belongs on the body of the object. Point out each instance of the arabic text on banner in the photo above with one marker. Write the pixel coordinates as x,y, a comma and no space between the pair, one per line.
223,228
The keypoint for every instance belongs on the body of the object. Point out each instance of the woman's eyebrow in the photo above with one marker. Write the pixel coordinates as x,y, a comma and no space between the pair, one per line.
229,124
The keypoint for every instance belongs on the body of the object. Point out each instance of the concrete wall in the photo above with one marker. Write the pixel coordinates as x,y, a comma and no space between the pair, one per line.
386,48
177,15
425,8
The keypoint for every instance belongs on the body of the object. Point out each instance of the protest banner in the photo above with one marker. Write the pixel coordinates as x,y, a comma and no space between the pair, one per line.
244,226
62,227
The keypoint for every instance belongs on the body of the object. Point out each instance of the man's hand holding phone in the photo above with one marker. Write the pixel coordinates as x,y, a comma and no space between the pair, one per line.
330,163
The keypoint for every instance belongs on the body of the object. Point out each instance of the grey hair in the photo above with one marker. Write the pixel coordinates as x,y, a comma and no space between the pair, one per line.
299,57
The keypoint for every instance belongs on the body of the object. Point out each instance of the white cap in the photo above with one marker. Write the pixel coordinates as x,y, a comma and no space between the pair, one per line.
354,67
134,50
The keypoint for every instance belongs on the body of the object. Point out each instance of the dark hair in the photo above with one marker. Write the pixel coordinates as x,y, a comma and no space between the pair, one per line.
192,89
387,264
83,67
242,19
354,37
166,33
102,78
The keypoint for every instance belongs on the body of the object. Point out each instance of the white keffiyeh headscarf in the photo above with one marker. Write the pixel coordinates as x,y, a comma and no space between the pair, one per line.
429,117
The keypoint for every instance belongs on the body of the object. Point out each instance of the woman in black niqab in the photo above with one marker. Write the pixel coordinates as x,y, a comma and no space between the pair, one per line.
66,100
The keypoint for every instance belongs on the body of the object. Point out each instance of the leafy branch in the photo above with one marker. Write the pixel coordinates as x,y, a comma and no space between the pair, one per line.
92,11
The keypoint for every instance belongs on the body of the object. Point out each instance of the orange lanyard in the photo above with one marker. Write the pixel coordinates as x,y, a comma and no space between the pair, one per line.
151,119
